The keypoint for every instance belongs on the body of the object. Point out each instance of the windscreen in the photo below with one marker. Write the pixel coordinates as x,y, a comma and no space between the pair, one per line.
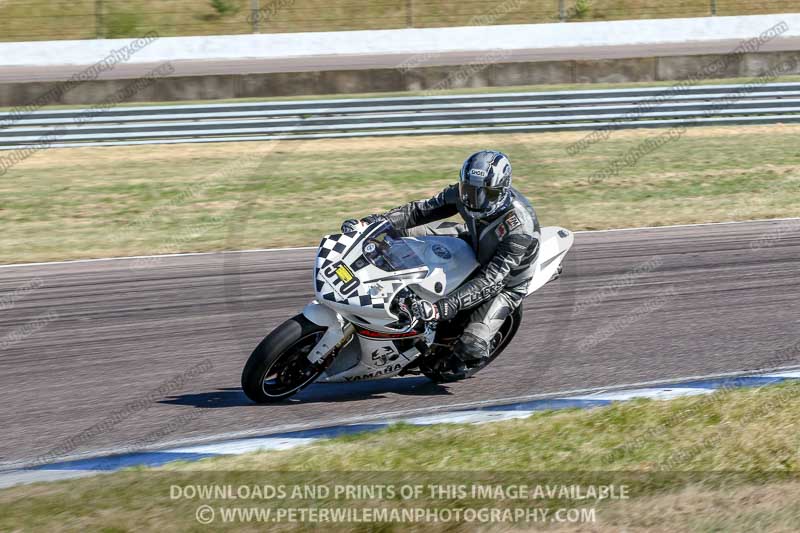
390,252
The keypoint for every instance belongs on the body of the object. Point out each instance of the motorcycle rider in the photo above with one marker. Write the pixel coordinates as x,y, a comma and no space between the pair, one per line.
501,226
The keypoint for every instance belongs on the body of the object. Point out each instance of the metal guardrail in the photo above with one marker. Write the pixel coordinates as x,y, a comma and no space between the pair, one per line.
417,115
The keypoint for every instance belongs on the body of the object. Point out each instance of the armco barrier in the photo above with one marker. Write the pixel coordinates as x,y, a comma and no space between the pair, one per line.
682,104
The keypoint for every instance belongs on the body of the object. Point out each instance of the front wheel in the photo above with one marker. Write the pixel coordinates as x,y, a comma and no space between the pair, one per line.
279,366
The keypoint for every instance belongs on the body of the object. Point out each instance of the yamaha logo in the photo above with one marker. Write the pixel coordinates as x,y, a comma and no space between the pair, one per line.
441,251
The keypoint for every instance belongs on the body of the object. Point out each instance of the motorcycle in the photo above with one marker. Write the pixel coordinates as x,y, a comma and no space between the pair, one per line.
359,326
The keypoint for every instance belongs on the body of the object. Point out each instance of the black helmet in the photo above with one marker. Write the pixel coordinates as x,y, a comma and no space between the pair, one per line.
484,183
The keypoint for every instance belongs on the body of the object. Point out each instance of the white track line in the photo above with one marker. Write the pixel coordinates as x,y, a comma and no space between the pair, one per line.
393,416
130,257
258,250
657,393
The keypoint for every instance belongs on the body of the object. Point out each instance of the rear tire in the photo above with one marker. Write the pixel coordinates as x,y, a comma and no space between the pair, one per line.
279,366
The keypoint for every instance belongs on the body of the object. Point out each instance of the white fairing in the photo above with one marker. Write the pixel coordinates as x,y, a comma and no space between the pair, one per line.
353,290
555,243
450,260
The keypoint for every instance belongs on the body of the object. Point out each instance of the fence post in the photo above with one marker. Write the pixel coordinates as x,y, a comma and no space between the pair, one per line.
99,32
713,7
409,13
254,14
562,11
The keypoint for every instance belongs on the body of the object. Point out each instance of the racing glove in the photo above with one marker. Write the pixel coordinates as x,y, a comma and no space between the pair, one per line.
350,225
433,312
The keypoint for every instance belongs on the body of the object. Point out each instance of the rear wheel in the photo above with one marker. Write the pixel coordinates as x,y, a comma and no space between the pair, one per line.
279,366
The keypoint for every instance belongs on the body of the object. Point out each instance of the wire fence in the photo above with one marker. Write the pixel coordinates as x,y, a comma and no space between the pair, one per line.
27,20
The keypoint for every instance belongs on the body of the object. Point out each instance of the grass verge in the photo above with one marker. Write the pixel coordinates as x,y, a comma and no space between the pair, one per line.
88,19
721,462
100,202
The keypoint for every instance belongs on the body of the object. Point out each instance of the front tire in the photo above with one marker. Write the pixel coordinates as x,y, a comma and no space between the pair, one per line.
279,367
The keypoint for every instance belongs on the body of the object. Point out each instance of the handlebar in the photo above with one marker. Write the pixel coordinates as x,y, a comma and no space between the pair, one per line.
404,302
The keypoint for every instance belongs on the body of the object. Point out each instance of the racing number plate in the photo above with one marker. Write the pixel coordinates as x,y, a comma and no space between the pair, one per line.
344,273
342,278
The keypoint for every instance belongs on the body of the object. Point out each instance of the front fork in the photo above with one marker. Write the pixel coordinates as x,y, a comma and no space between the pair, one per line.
338,332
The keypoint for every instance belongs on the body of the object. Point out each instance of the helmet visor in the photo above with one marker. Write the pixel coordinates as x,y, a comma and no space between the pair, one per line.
479,198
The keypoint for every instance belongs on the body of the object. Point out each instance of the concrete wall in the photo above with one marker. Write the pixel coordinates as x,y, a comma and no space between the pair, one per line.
422,79
471,39
217,67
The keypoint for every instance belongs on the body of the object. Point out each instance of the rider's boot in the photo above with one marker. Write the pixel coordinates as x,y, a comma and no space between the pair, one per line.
471,350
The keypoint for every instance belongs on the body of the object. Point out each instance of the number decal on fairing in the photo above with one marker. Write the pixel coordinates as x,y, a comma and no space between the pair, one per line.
340,273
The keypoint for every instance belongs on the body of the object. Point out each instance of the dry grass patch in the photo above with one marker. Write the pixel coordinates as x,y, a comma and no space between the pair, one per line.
77,19
738,470
90,202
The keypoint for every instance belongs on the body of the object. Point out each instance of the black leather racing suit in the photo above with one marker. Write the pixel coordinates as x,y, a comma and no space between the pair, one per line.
505,245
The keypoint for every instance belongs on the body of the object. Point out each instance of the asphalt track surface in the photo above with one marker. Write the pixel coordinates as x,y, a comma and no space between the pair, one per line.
123,334
390,61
